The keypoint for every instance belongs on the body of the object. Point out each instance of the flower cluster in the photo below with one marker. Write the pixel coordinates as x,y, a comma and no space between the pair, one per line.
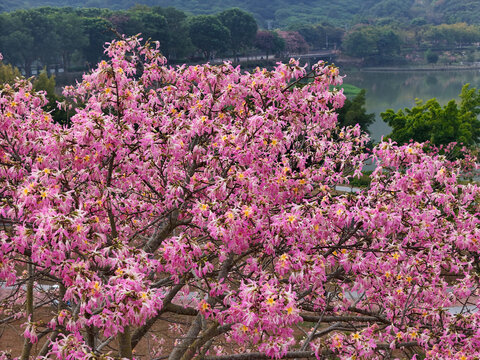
206,192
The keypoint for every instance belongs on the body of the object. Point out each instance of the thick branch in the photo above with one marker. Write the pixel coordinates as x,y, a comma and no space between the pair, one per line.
60,305
210,333
162,233
177,309
125,343
261,356
140,333
188,339
329,319
192,334
27,344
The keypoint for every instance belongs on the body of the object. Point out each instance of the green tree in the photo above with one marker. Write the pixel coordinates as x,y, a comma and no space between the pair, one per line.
16,42
46,83
98,32
208,34
388,43
452,34
242,26
8,73
354,112
150,24
429,121
72,35
361,42
431,56
376,44
178,44
42,28
320,36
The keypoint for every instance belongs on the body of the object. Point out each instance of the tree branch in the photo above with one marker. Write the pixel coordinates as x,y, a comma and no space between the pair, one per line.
261,356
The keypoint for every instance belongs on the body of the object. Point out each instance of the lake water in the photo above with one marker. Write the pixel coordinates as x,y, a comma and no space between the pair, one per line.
397,90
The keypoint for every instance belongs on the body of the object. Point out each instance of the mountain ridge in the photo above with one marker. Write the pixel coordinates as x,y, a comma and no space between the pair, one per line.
284,13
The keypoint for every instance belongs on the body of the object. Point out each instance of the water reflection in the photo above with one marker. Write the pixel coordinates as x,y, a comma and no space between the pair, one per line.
397,90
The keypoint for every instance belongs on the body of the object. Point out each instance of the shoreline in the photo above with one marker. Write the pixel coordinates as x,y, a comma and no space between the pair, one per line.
423,68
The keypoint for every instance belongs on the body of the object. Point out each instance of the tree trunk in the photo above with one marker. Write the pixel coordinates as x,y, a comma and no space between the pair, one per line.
125,343
27,344
60,306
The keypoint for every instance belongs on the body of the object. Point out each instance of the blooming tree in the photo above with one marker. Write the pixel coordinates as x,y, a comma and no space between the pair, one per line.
210,194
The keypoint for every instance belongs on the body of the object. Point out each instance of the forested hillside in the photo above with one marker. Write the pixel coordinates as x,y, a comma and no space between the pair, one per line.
283,13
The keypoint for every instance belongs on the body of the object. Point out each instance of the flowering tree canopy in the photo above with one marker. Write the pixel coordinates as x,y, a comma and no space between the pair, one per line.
210,193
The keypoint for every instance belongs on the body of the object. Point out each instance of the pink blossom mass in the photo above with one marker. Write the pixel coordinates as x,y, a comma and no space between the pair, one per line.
210,193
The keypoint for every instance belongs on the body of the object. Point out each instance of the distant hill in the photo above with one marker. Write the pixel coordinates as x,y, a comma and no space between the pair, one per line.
283,13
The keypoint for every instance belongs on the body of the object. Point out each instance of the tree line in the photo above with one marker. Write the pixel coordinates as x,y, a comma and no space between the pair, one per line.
379,43
73,39
285,13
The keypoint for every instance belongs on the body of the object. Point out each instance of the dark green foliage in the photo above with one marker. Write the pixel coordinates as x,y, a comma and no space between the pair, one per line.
177,45
98,32
375,44
457,34
142,20
320,36
454,11
242,27
361,42
75,38
431,56
354,112
289,12
441,125
208,34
